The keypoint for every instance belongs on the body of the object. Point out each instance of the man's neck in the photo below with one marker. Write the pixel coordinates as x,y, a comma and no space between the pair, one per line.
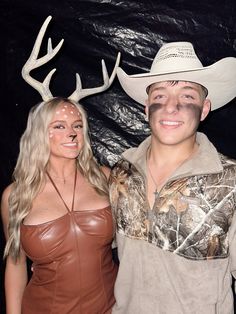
164,155
162,162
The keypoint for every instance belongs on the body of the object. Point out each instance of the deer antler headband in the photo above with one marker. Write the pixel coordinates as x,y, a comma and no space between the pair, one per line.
43,88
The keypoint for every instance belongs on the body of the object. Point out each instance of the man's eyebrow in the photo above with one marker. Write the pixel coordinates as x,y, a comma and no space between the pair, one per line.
158,88
163,88
190,87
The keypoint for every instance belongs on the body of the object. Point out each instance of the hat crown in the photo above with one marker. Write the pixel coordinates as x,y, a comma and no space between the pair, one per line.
175,57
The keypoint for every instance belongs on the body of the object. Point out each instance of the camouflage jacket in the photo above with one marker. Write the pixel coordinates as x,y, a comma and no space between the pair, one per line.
193,214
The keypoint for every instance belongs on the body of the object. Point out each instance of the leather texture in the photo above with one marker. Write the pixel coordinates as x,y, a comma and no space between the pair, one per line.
73,270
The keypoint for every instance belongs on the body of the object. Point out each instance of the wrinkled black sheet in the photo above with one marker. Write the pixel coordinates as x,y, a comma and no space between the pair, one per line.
93,30
96,29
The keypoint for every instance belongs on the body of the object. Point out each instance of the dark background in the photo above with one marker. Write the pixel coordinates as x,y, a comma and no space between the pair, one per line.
96,29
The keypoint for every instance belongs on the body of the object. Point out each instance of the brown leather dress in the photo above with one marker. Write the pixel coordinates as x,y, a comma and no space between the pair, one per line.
73,270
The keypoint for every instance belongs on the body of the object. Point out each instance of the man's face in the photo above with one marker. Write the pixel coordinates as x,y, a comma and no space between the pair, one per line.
175,110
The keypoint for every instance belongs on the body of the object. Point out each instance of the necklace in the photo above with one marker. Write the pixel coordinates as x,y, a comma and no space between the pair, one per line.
156,193
59,194
59,178
154,181
150,212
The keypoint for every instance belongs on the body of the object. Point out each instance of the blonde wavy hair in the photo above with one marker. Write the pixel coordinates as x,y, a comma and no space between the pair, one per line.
29,173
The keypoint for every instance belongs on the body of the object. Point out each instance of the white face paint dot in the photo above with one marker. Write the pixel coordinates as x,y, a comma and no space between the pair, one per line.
57,112
50,133
72,112
65,106
65,116
63,109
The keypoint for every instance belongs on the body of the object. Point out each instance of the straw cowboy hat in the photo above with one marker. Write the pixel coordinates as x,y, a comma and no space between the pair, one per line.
177,61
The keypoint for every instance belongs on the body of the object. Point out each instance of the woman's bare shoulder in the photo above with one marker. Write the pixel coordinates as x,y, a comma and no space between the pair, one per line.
5,207
106,171
6,192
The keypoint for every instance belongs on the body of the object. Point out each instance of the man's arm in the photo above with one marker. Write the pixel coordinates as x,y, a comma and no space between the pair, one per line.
232,248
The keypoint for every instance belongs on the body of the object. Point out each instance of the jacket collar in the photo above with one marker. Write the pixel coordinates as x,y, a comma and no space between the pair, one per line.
205,161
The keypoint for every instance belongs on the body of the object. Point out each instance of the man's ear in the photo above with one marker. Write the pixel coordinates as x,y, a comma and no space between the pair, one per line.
146,109
206,109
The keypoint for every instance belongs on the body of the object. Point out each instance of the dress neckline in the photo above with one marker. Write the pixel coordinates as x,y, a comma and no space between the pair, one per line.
66,215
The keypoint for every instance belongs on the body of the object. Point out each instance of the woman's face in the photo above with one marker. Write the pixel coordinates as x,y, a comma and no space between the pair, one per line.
66,132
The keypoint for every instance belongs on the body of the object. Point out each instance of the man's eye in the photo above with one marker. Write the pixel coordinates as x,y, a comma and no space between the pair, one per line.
158,96
188,96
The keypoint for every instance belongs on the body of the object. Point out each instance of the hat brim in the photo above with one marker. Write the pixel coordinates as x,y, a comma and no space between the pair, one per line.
219,79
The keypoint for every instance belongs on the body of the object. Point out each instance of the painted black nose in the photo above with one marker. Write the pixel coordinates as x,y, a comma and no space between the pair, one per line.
73,137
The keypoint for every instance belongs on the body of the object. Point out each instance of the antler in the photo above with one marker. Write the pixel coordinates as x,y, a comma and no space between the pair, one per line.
33,63
80,93
43,88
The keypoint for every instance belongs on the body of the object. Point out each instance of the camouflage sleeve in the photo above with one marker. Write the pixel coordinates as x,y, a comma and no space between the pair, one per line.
232,247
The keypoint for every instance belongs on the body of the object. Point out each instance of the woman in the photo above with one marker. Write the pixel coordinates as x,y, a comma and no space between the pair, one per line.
59,216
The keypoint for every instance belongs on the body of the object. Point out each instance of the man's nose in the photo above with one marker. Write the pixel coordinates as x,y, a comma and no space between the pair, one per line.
172,105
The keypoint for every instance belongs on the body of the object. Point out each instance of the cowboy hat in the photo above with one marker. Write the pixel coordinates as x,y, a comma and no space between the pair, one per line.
177,61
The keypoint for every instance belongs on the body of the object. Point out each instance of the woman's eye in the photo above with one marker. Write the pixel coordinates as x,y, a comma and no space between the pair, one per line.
59,126
78,126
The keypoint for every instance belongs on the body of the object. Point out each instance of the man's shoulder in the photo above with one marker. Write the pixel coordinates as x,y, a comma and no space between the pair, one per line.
125,160
121,164
227,161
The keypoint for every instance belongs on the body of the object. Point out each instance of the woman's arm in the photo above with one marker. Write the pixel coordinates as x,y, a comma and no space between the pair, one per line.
15,282
16,272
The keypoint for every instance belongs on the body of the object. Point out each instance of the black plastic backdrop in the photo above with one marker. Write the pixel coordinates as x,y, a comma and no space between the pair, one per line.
96,29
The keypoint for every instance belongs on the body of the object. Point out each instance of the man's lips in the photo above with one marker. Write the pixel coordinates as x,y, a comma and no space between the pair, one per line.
170,123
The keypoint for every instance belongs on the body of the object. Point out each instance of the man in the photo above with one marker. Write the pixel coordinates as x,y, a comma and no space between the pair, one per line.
174,196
